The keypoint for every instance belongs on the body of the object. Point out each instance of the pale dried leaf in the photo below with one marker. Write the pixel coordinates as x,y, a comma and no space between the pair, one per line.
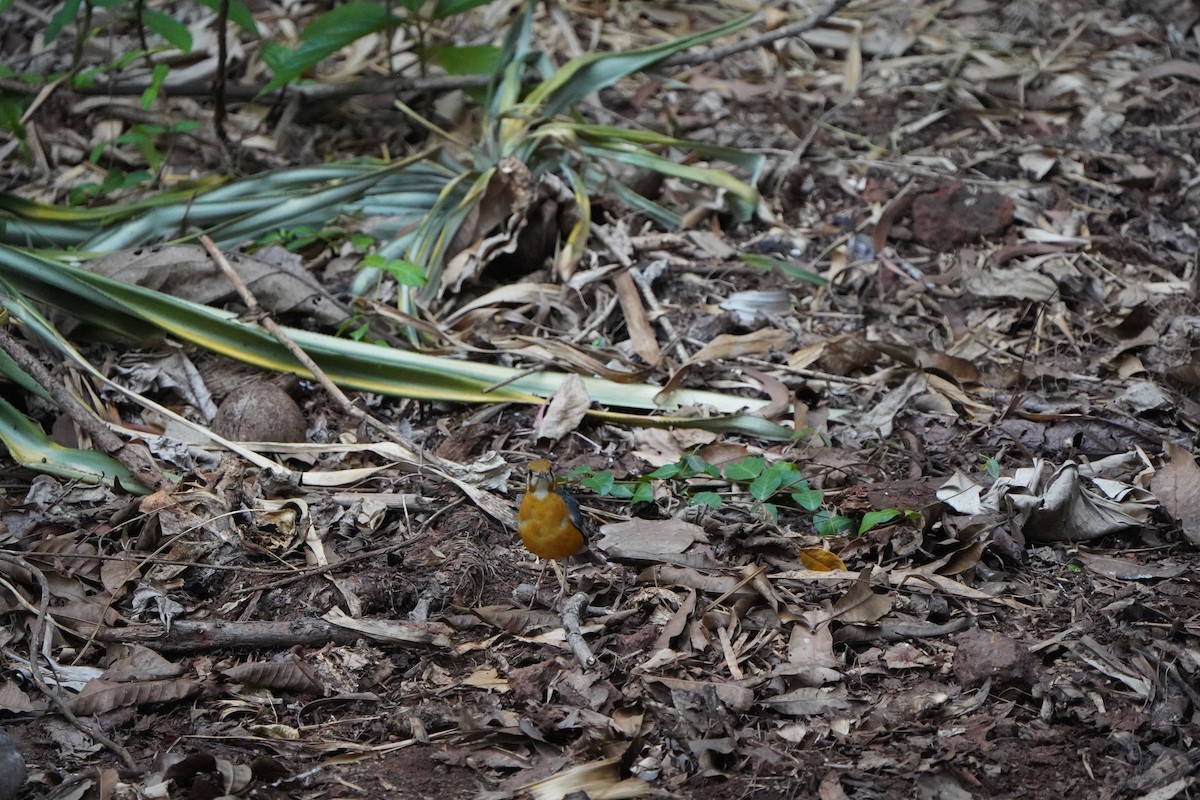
650,536
728,345
1126,569
430,633
567,408
13,699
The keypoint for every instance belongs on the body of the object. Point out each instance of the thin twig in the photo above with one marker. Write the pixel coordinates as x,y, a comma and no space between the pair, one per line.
491,505
787,31
275,329
36,644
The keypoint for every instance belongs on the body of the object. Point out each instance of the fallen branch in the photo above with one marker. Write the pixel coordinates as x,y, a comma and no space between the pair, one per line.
785,32
571,611
194,637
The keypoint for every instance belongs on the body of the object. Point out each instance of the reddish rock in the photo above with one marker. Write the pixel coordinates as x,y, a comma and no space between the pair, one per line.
956,214
983,654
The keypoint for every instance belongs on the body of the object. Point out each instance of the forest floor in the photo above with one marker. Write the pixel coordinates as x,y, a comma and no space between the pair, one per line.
980,227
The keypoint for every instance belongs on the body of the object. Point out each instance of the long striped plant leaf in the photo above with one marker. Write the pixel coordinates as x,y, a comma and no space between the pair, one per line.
29,446
351,364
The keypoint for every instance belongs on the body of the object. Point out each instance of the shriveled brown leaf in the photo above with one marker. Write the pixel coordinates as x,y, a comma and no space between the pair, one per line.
100,696
728,345
641,332
1177,487
292,675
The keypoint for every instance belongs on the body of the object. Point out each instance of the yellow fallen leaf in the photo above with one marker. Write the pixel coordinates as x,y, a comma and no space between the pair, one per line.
819,560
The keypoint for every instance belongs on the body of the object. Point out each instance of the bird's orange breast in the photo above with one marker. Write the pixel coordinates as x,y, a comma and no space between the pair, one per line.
545,526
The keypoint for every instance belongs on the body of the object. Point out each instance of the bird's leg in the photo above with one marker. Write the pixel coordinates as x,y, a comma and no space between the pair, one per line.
537,585
562,582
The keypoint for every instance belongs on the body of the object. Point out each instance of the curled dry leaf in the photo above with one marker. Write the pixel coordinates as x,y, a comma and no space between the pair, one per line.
729,345
596,779
1067,507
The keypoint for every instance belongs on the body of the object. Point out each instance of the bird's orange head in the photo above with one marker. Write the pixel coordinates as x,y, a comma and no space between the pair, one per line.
541,477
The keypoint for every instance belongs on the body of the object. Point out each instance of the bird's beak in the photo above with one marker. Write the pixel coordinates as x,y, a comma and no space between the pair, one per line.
540,482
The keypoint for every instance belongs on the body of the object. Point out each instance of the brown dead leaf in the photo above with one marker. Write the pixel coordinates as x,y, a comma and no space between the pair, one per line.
809,701
860,604
487,678
810,653
728,345
666,574
677,624
517,621
186,271
1177,487
721,453
657,446
735,698
1125,569
597,779
116,572
13,699
142,664
650,536
1175,68
781,396
641,332
392,630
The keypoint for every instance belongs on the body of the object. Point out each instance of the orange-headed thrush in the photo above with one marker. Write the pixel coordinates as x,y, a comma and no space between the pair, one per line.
549,521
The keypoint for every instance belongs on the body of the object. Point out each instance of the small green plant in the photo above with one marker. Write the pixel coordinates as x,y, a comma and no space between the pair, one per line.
301,237
641,490
991,466
405,273
145,139
343,25
769,486
114,180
